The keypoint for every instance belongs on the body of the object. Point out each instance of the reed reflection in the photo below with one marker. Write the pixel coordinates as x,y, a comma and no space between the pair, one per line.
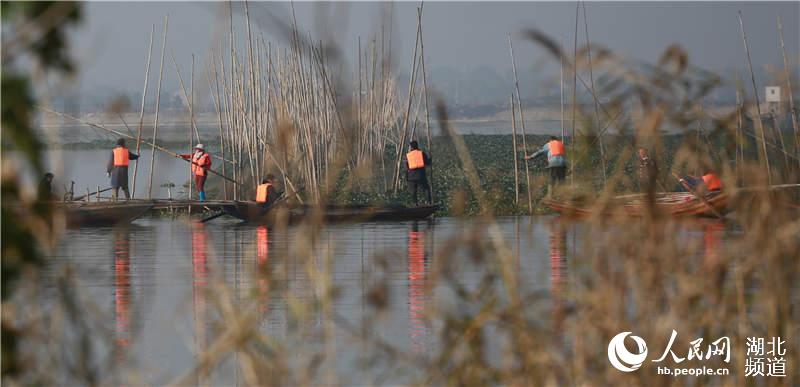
417,269
122,292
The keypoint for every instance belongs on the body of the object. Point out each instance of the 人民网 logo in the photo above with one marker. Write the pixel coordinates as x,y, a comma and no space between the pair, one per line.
621,358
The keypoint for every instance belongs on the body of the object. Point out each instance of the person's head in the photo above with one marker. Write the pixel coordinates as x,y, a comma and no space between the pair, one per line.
121,142
48,177
199,148
414,144
642,152
553,138
268,179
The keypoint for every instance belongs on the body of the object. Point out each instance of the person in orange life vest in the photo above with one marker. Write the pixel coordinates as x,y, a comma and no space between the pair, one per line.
710,182
556,159
265,192
201,163
416,161
117,168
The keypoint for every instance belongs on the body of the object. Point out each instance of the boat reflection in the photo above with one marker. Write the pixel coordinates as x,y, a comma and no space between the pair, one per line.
122,293
417,268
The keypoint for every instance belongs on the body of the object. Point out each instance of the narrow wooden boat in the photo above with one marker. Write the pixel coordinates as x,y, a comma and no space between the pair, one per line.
80,214
675,204
252,212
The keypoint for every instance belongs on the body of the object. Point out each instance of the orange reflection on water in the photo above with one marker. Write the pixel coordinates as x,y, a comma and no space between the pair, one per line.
262,259
416,289
122,292
558,270
199,283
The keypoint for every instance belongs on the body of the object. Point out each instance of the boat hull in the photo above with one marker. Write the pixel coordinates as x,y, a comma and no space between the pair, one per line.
252,212
102,214
675,204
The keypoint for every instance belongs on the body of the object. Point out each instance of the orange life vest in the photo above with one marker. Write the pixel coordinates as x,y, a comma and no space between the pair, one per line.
200,161
556,148
415,159
262,193
712,181
121,156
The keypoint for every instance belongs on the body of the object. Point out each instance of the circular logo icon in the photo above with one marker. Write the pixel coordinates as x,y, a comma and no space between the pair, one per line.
621,358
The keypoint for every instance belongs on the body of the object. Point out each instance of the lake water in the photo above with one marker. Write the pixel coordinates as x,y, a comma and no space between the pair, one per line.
155,286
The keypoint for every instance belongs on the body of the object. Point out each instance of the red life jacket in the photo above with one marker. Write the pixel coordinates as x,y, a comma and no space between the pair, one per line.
200,162
712,181
262,193
415,158
121,156
556,148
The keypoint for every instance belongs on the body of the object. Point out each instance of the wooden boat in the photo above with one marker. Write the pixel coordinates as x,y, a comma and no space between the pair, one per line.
252,212
675,204
80,214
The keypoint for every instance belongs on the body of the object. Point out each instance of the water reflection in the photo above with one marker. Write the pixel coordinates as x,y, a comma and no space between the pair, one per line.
122,292
417,267
262,269
162,271
558,269
199,285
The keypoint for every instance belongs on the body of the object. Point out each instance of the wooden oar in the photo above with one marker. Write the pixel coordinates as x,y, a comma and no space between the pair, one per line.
702,199
133,138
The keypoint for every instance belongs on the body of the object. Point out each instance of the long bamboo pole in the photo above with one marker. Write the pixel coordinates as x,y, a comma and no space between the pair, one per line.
191,122
514,151
401,144
596,102
788,76
155,146
522,120
759,123
427,110
141,112
574,96
158,103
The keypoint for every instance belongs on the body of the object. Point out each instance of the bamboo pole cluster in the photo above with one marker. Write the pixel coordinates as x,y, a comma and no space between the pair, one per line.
283,110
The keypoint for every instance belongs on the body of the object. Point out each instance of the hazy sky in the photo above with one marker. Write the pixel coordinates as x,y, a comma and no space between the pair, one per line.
112,42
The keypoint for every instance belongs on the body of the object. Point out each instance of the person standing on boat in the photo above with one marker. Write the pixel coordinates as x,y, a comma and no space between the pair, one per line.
201,163
45,191
416,161
265,192
556,161
648,171
117,169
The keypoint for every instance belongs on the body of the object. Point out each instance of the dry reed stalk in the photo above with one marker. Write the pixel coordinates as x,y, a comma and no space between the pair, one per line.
514,150
759,123
792,111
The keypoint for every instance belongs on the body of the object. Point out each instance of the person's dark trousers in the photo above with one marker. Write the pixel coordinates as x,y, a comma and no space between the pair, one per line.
414,185
557,175
200,184
115,193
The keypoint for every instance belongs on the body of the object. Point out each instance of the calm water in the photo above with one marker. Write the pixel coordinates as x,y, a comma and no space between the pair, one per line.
153,283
